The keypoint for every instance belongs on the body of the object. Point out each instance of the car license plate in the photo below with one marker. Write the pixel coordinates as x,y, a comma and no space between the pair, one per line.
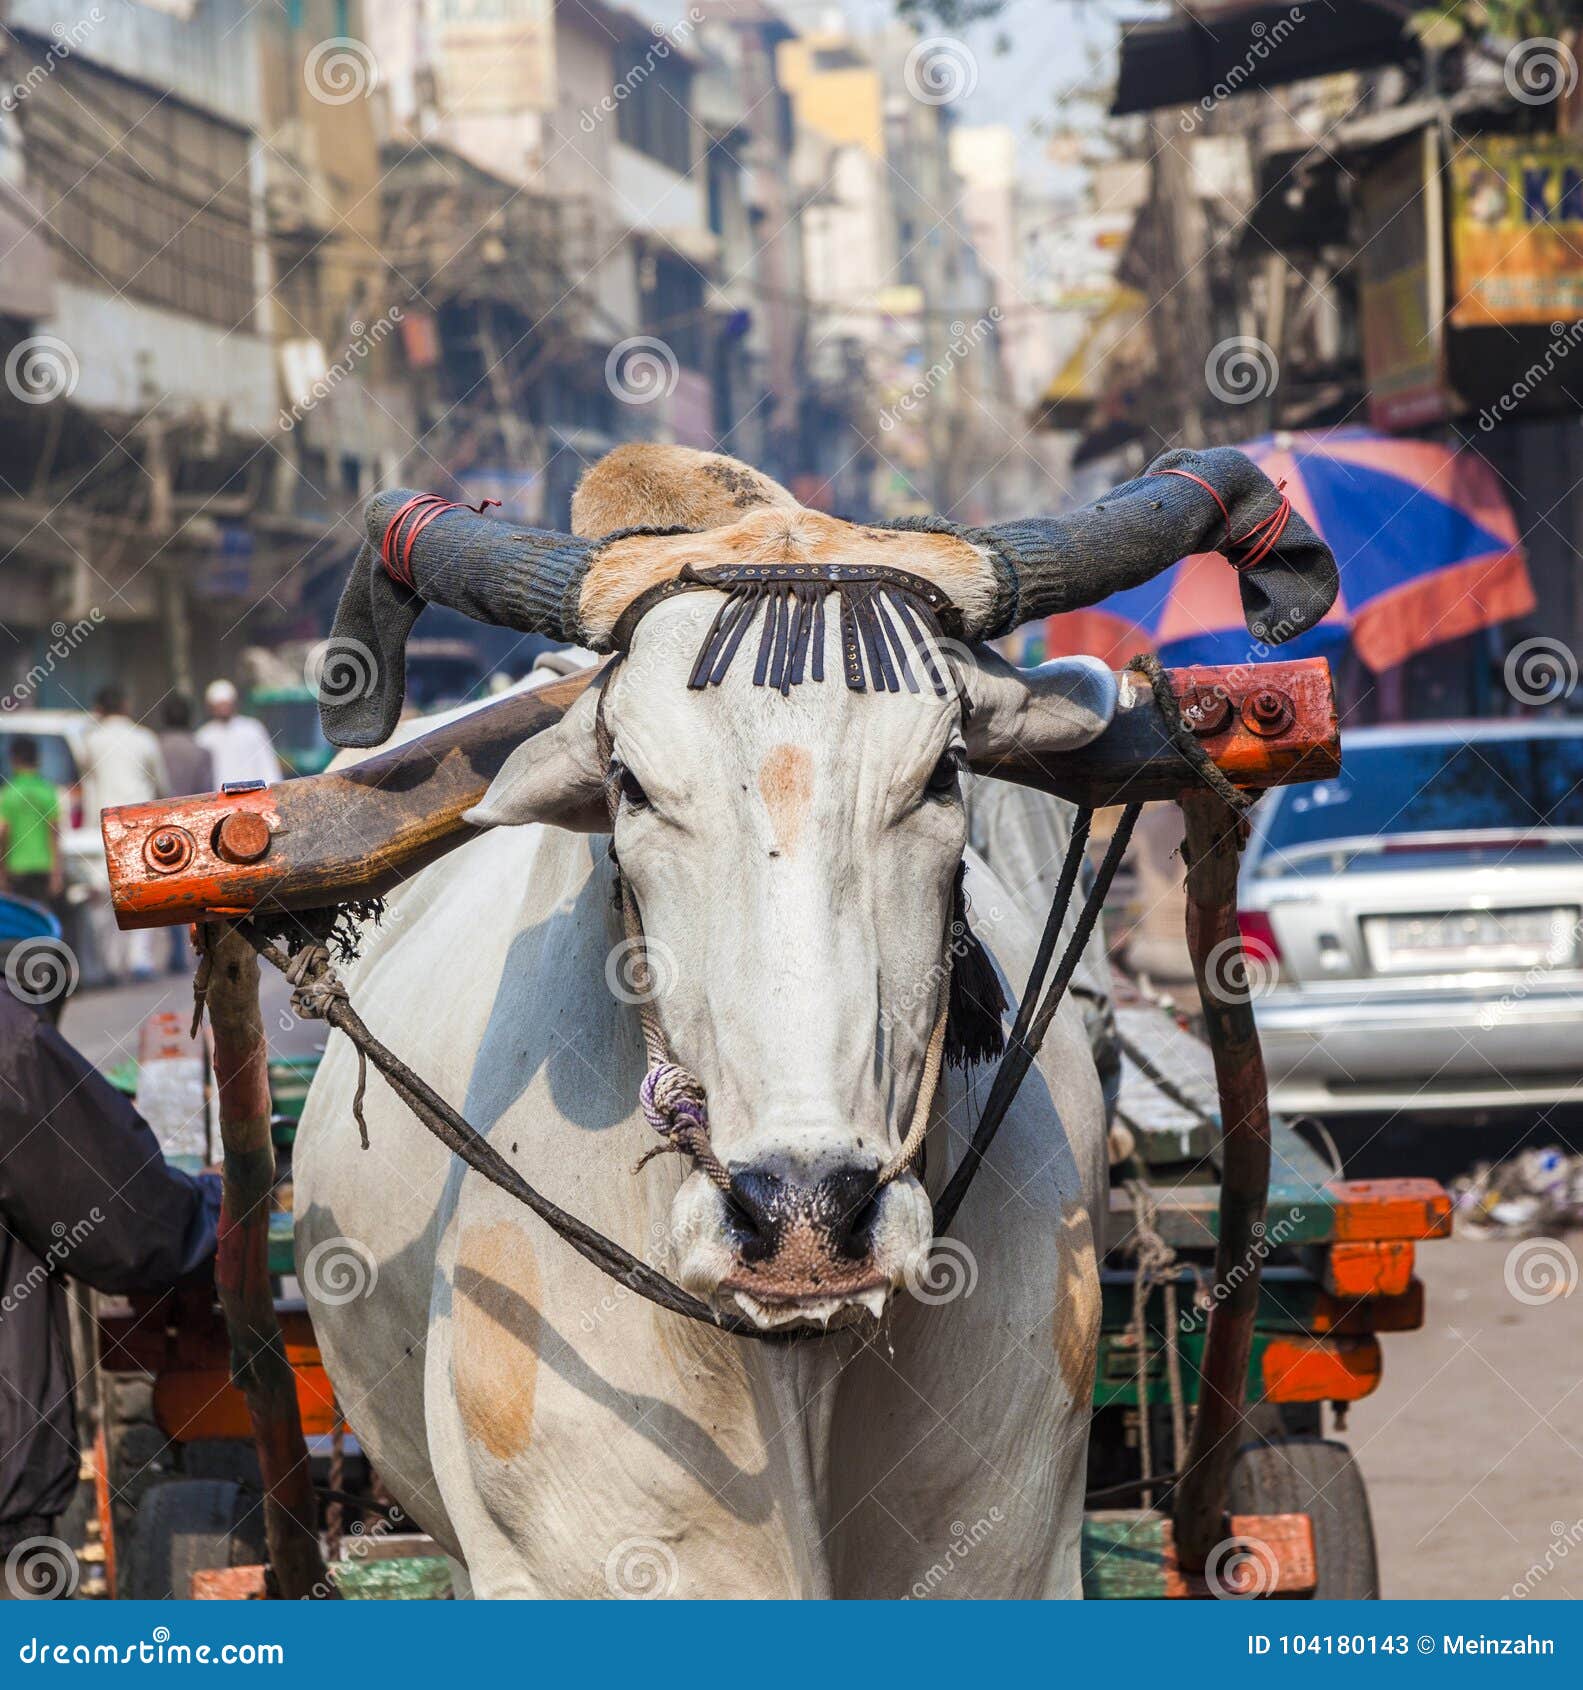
1468,940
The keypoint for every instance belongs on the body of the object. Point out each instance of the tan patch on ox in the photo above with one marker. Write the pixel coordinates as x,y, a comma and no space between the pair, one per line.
773,534
1077,1306
786,785
494,1364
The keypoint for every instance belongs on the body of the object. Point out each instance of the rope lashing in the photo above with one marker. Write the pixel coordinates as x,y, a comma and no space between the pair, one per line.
422,510
1261,539
315,986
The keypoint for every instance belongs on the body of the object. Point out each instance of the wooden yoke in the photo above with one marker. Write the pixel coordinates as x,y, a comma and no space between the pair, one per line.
356,832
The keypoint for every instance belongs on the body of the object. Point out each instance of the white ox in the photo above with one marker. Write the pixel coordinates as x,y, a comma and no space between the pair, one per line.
793,859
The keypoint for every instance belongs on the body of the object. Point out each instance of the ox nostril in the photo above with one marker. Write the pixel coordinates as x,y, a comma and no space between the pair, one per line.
847,1204
838,1208
756,1212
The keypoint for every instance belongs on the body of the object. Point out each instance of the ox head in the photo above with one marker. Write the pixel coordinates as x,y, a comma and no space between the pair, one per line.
794,849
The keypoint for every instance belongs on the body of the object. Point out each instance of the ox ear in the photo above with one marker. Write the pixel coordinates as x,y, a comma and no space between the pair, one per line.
1059,706
555,778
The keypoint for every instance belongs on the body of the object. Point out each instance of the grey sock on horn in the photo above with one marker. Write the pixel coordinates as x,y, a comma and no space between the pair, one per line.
1144,526
495,572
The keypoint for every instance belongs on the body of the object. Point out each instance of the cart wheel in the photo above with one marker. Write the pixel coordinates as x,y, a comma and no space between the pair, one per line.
191,1526
1317,1477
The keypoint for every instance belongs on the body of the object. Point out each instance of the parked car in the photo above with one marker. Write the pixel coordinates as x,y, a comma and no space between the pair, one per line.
1414,927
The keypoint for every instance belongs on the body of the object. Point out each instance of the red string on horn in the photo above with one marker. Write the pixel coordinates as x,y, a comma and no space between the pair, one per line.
1264,535
395,549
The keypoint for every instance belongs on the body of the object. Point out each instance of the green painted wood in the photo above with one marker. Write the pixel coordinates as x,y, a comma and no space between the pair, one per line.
1123,1556
282,1252
1288,1297
1116,1380
412,1578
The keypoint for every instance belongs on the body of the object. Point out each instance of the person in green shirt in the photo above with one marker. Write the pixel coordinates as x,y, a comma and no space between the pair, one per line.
30,864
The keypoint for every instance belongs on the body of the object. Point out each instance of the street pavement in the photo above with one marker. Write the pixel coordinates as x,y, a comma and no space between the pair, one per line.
1472,1446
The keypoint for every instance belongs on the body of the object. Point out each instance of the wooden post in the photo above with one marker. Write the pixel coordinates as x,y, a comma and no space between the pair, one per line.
259,1367
1213,846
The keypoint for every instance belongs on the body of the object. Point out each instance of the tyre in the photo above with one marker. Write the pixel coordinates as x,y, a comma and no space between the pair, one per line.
191,1526
1317,1477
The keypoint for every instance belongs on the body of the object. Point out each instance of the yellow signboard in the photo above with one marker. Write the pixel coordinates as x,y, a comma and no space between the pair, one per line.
1517,230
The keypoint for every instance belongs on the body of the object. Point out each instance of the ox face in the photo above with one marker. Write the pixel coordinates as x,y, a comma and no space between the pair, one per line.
793,859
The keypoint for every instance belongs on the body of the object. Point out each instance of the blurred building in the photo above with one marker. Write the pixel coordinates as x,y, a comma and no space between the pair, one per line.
260,261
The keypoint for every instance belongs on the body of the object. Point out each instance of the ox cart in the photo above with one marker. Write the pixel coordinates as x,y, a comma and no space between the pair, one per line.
1235,1304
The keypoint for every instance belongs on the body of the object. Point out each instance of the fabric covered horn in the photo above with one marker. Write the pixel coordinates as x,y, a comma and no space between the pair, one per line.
1185,502
421,549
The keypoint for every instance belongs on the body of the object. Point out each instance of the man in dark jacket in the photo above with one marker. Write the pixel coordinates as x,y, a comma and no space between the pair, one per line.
84,1192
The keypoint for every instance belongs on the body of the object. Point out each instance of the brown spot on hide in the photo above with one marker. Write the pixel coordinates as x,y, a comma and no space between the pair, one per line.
786,785
494,1362
1077,1305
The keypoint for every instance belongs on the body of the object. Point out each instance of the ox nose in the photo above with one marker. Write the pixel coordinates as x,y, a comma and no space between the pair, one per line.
838,1207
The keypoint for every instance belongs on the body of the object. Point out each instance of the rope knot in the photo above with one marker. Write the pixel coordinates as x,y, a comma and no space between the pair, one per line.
672,1099
315,989
315,984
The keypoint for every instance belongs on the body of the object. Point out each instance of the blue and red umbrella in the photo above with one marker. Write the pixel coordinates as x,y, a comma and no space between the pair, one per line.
1427,546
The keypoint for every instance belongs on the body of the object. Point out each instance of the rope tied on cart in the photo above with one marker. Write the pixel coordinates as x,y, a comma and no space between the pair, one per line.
315,986
1154,1264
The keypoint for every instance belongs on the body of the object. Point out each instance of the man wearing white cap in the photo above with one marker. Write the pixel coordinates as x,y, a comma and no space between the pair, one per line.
238,746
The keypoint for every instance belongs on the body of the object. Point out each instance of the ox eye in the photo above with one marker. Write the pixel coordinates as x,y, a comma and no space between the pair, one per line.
942,782
630,787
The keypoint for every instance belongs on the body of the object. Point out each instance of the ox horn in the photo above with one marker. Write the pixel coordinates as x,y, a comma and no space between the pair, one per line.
419,549
1185,502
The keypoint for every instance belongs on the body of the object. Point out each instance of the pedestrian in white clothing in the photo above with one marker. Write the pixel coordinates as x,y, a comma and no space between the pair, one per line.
239,746
122,764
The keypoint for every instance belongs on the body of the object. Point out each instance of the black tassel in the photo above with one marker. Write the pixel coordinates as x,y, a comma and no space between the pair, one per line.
973,1030
878,621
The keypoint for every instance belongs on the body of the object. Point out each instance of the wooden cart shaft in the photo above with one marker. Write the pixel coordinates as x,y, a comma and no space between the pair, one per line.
359,831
